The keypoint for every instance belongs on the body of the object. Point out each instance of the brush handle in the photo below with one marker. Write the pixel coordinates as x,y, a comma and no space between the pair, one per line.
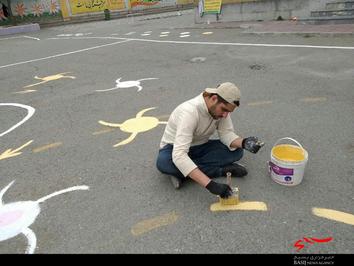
228,178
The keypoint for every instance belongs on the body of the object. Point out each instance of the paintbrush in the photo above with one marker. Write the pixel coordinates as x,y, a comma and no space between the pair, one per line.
234,198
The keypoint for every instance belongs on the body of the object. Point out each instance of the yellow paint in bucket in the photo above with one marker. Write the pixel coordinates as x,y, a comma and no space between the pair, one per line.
287,152
287,164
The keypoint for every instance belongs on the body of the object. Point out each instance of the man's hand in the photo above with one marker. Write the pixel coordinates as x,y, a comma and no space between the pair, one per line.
252,144
222,190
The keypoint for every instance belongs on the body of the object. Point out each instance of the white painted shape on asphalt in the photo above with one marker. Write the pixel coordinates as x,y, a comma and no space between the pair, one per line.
183,36
16,217
185,33
127,84
163,35
30,112
63,54
145,34
130,33
165,32
207,33
65,35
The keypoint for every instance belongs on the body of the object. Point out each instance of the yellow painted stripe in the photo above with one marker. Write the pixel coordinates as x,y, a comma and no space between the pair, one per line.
338,216
241,206
47,147
150,224
313,99
26,91
259,103
103,131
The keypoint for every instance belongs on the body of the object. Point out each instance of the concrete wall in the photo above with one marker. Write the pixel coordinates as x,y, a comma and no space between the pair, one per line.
252,10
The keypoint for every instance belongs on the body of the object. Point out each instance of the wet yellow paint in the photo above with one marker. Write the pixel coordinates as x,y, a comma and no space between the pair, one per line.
150,224
334,215
287,152
47,147
241,206
135,125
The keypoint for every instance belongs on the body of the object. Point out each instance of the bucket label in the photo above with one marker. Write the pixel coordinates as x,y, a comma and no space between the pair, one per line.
280,170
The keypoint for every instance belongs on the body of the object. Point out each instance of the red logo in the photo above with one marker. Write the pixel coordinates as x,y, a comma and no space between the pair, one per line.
311,240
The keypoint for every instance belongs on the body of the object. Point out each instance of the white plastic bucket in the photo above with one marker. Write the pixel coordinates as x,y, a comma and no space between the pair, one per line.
287,164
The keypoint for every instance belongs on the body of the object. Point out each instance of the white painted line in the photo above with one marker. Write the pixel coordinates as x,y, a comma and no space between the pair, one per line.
130,33
175,42
184,33
183,36
30,112
224,43
30,37
69,53
165,32
249,44
19,37
145,34
149,31
207,32
163,35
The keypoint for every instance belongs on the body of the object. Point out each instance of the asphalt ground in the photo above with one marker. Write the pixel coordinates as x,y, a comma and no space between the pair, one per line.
303,90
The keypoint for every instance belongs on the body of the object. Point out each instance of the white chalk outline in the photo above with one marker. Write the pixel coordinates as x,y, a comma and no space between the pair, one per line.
29,109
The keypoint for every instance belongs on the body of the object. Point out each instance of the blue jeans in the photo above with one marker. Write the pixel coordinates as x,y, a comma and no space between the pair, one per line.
210,158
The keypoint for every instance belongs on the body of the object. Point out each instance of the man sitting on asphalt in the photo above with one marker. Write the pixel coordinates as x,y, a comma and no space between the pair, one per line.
186,150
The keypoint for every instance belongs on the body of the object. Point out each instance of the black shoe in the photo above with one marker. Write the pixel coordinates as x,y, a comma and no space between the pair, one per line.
236,170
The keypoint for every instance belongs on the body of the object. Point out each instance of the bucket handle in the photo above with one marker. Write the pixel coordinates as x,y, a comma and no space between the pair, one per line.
291,140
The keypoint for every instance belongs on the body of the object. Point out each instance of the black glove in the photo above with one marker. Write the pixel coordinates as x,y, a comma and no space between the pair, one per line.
252,144
222,190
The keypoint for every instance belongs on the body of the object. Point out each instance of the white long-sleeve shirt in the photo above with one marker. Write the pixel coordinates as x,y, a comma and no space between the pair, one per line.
191,124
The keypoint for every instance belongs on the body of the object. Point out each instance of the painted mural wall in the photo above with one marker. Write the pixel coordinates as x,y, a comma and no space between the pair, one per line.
88,6
47,10
35,8
143,4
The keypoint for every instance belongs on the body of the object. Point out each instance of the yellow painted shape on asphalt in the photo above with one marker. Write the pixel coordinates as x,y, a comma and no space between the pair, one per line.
259,103
338,216
314,99
25,91
103,131
50,78
241,206
47,147
135,125
150,224
11,153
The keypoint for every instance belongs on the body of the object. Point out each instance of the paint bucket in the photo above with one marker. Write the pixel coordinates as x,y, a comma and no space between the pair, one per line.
287,165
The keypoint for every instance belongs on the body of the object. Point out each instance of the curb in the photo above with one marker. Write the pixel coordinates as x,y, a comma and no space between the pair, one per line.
19,29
